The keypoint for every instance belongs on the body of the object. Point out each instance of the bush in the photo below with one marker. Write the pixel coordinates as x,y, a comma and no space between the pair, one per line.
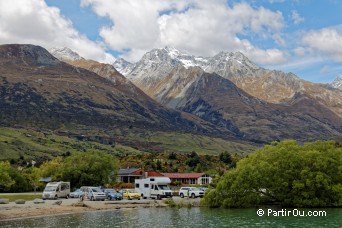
176,183
123,185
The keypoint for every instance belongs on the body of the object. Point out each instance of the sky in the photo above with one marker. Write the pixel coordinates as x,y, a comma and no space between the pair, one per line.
299,36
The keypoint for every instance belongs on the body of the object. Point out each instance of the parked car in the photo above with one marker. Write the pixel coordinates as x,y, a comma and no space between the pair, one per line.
190,192
93,193
76,194
130,194
111,194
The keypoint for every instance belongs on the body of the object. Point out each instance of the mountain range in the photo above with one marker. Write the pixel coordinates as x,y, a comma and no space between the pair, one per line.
39,91
224,96
268,85
263,104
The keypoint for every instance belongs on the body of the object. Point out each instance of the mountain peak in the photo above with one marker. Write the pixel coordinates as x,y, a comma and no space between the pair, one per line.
65,53
27,54
337,83
123,66
232,56
173,52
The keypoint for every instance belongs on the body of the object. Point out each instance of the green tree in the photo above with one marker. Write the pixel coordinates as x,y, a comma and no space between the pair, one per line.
33,175
172,156
6,180
308,175
52,169
89,168
159,165
193,160
226,157
21,183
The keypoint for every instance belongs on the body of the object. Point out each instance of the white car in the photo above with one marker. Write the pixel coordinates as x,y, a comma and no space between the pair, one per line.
190,192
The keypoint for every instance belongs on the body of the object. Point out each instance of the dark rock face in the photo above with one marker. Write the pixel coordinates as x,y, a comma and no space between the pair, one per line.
219,101
206,112
27,55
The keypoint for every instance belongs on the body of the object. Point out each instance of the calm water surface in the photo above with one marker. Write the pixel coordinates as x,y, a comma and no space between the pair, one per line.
172,217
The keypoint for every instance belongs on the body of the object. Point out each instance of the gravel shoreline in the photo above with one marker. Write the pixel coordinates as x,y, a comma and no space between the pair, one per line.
13,211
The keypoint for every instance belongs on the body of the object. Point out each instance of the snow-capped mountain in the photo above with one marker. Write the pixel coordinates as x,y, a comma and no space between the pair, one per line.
153,73
159,63
224,63
232,64
337,83
64,54
123,66
152,67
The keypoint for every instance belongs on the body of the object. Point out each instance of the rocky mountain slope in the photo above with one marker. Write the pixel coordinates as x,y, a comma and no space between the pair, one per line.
268,85
217,100
39,91
264,105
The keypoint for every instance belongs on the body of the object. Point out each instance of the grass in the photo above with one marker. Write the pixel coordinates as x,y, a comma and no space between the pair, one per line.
14,197
22,144
186,142
28,144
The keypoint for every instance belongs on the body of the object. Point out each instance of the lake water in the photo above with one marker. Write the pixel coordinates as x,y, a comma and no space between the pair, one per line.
194,217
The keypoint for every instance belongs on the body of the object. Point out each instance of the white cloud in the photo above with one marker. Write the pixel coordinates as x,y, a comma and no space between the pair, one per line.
327,41
296,18
300,51
325,69
33,22
200,27
299,63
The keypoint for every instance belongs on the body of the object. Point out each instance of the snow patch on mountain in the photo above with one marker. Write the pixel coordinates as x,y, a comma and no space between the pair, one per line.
64,54
123,66
337,83
162,61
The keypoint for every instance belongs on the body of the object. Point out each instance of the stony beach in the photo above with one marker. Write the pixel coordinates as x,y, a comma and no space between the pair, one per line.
36,208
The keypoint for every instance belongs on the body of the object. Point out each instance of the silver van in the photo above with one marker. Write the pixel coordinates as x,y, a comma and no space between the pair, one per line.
54,190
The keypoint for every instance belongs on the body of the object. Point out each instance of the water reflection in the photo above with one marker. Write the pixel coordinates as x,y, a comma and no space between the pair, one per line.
183,217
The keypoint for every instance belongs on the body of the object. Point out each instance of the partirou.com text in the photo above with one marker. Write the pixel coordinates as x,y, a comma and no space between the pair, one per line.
290,212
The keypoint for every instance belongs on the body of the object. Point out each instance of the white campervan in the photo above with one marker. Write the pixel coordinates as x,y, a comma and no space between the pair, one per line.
54,190
154,187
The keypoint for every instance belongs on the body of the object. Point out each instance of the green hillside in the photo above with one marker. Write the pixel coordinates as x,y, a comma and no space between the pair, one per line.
29,144
182,142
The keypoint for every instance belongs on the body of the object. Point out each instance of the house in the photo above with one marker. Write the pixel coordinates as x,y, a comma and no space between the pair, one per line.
130,174
189,178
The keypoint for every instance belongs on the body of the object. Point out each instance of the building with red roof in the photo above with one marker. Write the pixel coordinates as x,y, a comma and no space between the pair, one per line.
130,174
189,178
